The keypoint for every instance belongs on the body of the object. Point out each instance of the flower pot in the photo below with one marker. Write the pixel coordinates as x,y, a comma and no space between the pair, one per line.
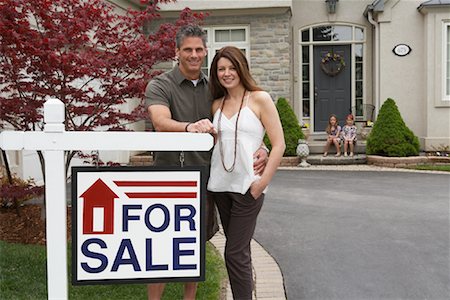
306,133
365,131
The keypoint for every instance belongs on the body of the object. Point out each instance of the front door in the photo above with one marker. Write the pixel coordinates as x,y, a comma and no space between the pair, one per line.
332,84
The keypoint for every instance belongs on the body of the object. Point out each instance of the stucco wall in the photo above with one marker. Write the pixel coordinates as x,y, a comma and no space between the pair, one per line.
415,80
402,77
437,122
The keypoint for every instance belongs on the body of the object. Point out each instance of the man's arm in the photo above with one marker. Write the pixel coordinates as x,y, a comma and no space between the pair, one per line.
163,122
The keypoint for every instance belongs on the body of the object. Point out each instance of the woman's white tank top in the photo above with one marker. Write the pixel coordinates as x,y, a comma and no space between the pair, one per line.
249,138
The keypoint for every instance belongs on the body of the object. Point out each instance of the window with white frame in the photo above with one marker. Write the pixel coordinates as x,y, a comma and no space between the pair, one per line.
219,37
446,60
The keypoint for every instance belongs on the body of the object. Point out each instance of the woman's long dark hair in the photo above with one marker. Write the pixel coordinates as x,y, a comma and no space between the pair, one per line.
239,61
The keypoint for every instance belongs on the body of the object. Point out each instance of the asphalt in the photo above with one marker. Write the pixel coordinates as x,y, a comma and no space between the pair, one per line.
357,232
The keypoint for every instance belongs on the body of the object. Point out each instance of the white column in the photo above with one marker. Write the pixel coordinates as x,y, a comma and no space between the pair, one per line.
56,207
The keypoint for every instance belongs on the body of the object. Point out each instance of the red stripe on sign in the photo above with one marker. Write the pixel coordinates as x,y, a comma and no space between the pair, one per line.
156,183
162,195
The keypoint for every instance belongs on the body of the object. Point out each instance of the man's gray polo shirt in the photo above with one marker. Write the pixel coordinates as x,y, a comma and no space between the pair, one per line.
187,103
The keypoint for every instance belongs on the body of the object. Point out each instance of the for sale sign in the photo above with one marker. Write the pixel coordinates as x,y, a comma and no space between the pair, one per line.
132,224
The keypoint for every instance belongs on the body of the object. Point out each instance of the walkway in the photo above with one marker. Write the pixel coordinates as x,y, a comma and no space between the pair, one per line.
267,274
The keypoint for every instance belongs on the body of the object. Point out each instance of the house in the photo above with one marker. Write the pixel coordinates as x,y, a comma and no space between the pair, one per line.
98,202
329,56
342,56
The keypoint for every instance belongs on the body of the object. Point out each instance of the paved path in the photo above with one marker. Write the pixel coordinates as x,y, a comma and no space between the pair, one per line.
340,234
266,273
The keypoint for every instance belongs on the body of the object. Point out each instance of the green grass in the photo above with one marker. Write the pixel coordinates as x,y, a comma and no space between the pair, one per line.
23,276
445,168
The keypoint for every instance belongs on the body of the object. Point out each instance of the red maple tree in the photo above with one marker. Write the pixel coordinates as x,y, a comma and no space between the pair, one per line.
83,53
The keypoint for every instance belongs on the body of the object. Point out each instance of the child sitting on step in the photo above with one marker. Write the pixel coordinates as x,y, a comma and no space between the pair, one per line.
334,132
349,134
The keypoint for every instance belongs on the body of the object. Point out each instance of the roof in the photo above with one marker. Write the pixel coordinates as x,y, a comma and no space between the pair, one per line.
376,6
434,3
223,4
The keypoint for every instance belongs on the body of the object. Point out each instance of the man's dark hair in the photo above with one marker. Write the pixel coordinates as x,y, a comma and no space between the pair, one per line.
190,31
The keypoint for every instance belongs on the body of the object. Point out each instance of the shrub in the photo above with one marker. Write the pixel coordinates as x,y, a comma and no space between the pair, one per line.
390,136
15,193
291,129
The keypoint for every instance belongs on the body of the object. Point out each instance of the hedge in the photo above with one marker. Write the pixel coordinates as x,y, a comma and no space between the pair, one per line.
390,136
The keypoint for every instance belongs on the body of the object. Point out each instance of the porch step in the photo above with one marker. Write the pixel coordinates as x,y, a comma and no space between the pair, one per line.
317,144
318,159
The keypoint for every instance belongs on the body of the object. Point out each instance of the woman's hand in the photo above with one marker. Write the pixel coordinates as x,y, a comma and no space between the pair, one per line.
257,188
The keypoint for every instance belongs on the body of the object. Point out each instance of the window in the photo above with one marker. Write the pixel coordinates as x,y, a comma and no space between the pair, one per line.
332,33
359,79
219,37
446,62
305,81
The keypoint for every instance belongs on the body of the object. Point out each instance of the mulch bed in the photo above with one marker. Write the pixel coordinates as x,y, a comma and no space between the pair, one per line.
26,228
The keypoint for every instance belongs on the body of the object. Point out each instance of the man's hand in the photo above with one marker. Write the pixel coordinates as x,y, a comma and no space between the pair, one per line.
260,158
201,126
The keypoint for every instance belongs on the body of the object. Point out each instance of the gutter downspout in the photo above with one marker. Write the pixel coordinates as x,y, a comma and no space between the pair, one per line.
377,61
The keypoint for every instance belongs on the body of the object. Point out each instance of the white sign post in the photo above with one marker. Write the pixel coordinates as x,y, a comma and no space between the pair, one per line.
54,140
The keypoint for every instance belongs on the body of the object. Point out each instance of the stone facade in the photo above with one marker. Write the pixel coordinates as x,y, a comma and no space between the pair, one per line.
270,50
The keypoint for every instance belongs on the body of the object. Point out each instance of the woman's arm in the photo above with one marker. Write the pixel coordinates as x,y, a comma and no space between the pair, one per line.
214,107
271,122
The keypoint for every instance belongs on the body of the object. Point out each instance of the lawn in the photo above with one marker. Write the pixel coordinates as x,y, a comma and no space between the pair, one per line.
445,168
23,276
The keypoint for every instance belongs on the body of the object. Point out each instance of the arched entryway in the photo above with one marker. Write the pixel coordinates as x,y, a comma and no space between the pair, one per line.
332,68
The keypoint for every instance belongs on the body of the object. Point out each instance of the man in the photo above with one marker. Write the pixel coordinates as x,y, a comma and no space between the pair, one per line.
180,101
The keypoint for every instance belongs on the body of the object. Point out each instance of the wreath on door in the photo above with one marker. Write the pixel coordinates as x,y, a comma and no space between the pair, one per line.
332,64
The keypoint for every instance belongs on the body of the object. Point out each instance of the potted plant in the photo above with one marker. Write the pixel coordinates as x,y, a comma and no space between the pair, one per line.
365,130
305,130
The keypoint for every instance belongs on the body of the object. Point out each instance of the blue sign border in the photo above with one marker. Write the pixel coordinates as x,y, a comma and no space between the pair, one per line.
203,179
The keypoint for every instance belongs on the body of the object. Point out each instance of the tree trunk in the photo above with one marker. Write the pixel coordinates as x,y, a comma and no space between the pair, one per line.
10,180
42,161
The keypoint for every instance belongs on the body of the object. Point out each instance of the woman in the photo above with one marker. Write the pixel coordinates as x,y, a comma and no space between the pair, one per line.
242,113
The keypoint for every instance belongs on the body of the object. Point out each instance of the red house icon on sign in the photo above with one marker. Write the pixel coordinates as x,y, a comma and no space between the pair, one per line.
98,203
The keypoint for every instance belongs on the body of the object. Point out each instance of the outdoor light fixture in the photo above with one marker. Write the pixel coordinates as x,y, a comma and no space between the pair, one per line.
331,6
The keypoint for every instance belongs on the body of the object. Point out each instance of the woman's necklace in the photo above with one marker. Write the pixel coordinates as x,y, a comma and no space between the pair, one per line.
229,170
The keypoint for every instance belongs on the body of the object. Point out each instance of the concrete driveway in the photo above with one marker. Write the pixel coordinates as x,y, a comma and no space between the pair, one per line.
359,235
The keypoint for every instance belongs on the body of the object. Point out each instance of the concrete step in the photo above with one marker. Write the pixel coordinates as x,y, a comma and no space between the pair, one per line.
319,159
317,143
